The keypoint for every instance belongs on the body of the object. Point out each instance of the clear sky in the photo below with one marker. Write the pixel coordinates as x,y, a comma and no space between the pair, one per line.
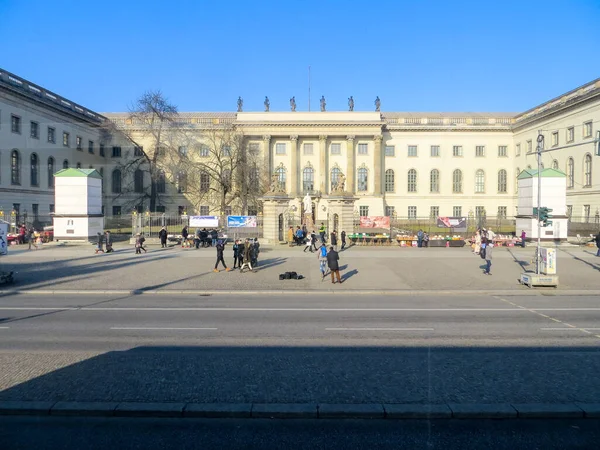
415,55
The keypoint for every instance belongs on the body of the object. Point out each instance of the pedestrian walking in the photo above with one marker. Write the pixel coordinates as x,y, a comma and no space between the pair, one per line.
523,237
597,239
334,240
308,244
99,242
255,253
236,252
31,239
109,242
247,256
313,239
184,236
322,257
220,246
343,236
488,257
162,234
333,259
139,243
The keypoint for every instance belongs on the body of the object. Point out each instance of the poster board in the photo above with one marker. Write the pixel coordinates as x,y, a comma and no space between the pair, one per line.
375,222
242,222
3,238
456,223
204,221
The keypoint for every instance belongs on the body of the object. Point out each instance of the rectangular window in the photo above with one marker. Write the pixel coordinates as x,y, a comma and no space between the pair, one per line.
336,149
308,149
554,138
116,211
91,147
204,151
51,208
363,211
66,139
183,150
101,149
34,130
390,150
280,148
161,209
457,150
457,211
51,135
412,150
502,211
204,210
529,146
435,151
480,150
228,210
15,124
586,212
390,211
412,212
253,148
569,211
35,209
182,211
480,212
587,129
363,149
79,143
116,152
502,151
434,212
138,151
252,211
518,150
570,134
226,150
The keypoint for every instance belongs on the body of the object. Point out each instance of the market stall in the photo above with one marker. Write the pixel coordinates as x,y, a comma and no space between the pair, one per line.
369,238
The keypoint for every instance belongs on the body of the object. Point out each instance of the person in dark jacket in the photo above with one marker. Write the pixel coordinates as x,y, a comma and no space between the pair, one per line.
333,264
100,241
214,234
236,252
162,234
184,236
204,237
108,241
247,255
220,249
255,252
343,239
139,244
489,246
313,238
597,239
334,240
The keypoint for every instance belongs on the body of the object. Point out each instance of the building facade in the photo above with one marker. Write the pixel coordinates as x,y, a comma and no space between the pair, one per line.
407,165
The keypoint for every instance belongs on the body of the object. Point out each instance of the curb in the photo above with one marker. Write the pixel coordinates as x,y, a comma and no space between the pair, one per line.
304,410
354,292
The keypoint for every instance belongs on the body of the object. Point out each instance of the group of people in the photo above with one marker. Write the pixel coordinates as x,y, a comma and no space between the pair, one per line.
106,238
245,254
329,259
310,240
422,239
29,236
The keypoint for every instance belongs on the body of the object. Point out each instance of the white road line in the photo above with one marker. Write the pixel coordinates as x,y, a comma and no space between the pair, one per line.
379,329
4,328
570,329
162,329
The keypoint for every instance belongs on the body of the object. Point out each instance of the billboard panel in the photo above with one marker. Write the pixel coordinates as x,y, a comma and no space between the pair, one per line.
375,222
456,223
241,221
204,221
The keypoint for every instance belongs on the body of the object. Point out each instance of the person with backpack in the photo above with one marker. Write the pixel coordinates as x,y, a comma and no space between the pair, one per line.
139,244
322,257
488,256
220,249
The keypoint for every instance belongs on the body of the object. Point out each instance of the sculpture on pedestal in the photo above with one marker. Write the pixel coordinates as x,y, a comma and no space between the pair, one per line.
267,104
307,202
293,104
275,186
350,104
323,103
240,104
377,104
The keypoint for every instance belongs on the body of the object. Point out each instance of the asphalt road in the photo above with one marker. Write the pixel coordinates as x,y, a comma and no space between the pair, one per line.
24,433
330,348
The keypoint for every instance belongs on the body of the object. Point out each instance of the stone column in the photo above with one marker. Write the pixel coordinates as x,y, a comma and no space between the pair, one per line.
351,169
323,164
377,165
267,155
294,166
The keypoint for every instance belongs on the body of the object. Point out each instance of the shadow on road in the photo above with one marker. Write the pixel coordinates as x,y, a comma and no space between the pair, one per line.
347,275
521,263
577,258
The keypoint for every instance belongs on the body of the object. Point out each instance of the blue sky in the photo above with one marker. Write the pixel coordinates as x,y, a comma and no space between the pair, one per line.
415,55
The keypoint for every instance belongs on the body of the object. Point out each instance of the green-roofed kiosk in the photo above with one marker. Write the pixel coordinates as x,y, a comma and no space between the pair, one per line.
78,204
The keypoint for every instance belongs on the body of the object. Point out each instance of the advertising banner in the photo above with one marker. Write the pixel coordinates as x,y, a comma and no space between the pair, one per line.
3,238
548,261
241,221
457,223
375,222
204,221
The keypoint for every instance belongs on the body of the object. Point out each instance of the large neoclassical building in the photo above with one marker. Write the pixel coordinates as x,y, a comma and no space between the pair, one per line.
403,164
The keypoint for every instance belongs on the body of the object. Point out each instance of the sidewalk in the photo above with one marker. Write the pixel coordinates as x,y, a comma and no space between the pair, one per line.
77,268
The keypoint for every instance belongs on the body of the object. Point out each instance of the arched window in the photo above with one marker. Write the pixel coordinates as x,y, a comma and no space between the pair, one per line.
138,181
308,179
66,164
160,182
181,182
587,170
34,170
434,181
204,182
412,180
570,173
480,181
457,182
555,164
15,167
390,182
335,173
502,181
280,172
79,165
116,181
51,172
363,179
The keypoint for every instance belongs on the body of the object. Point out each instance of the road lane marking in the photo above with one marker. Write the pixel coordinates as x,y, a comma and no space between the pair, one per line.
162,328
571,328
4,328
379,329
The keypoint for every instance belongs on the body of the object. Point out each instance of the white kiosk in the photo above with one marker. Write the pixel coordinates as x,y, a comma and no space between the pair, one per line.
77,204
